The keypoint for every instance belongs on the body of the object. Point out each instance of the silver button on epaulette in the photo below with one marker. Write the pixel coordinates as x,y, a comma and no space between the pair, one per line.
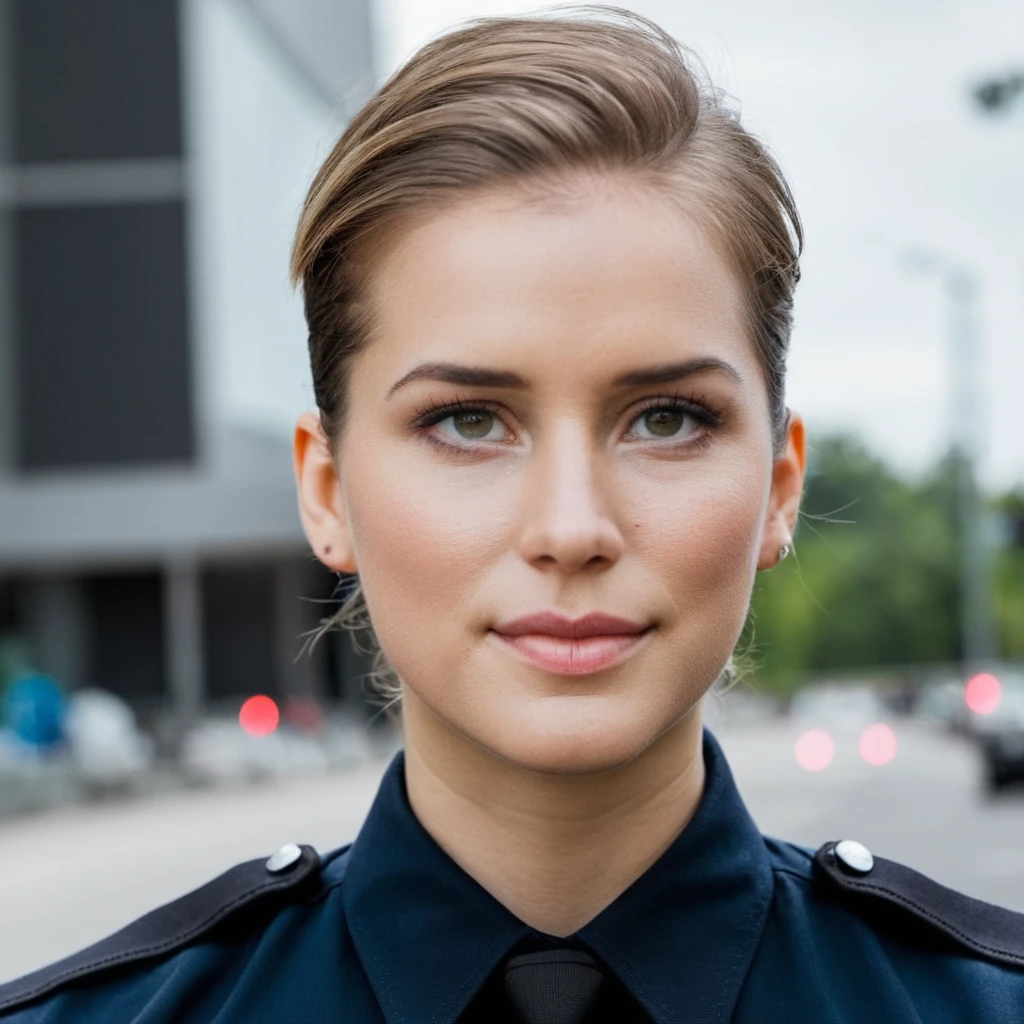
855,856
288,855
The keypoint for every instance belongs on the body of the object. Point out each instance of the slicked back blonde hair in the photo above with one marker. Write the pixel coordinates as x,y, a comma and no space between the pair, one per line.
524,103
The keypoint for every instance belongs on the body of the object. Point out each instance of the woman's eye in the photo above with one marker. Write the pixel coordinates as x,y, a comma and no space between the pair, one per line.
665,421
472,425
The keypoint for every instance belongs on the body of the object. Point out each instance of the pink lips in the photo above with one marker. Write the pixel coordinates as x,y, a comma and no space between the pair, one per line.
572,647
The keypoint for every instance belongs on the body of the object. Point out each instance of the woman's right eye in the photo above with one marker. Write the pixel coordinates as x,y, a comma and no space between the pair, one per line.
471,425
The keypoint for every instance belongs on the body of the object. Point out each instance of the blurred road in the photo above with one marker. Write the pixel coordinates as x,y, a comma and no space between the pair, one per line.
927,808
69,877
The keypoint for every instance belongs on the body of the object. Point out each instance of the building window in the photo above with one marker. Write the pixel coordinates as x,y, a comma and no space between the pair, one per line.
102,349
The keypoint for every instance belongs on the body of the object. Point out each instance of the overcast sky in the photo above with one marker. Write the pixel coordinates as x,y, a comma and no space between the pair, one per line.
867,106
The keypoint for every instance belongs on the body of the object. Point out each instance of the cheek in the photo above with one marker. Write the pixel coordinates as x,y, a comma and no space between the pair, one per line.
424,536
703,535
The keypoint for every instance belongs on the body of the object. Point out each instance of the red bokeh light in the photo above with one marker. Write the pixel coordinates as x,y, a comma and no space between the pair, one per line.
982,693
878,744
259,716
814,750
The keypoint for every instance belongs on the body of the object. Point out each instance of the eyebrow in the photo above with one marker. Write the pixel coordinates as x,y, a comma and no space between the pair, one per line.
668,372
472,376
455,373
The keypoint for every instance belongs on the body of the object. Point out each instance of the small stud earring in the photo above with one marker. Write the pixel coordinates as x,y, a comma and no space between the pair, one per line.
783,551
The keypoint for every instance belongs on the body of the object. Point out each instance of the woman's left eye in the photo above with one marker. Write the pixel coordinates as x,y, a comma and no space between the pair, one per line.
665,421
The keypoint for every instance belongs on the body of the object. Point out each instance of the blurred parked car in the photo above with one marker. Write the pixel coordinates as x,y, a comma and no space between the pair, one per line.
105,742
841,717
837,708
1000,734
943,703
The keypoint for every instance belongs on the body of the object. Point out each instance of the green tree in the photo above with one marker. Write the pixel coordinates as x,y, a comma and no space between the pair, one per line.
1009,577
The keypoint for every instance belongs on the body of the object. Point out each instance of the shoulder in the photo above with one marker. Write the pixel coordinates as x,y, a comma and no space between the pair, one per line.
893,899
850,936
242,903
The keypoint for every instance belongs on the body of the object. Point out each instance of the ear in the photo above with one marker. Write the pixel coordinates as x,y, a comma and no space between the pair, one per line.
321,506
784,497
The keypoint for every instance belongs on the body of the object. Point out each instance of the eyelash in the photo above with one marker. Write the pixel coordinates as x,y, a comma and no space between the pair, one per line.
696,406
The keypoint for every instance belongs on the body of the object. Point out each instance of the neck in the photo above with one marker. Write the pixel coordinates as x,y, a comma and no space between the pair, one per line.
554,849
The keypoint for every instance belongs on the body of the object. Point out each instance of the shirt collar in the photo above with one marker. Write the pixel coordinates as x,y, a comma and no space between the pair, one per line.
681,938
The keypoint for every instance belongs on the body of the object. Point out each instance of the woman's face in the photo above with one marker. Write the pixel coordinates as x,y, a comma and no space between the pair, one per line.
560,413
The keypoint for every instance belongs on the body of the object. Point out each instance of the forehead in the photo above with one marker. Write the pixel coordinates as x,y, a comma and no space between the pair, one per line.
607,277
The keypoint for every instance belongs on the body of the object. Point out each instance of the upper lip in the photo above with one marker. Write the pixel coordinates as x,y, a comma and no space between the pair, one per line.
556,624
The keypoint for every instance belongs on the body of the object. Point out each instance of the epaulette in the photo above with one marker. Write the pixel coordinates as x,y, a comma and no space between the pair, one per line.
991,932
254,884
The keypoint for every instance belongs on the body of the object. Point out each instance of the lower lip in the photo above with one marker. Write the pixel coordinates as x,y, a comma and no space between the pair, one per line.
569,657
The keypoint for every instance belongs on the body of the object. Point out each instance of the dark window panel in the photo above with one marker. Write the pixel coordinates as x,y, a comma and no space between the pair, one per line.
95,79
102,350
126,636
11,624
238,631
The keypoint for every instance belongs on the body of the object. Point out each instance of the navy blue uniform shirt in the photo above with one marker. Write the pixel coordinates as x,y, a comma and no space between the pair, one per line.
727,926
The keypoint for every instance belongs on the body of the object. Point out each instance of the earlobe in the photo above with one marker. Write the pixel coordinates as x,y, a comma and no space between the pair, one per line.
784,498
321,505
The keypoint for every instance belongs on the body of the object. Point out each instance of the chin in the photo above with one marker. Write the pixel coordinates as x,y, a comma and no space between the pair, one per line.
573,740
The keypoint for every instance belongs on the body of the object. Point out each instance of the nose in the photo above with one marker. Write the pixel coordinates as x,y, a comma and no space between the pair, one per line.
567,518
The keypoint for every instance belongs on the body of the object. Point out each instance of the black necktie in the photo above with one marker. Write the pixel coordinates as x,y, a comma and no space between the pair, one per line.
557,986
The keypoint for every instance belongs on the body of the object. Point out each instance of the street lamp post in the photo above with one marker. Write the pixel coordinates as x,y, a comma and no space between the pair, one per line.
966,413
975,572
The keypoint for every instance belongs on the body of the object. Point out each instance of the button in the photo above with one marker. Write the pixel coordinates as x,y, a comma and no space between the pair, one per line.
854,856
288,855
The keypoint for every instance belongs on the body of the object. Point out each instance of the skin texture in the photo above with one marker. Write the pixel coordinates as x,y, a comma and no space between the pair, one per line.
570,494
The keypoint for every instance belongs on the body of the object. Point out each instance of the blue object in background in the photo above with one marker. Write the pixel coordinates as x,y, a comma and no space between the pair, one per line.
34,709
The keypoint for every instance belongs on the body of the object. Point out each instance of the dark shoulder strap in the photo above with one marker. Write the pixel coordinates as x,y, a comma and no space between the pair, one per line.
176,924
988,931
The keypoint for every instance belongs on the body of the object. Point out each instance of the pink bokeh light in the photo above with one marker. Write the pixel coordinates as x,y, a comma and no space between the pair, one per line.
982,693
814,750
878,744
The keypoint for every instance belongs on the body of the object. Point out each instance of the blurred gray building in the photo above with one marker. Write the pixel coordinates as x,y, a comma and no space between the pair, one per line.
152,158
